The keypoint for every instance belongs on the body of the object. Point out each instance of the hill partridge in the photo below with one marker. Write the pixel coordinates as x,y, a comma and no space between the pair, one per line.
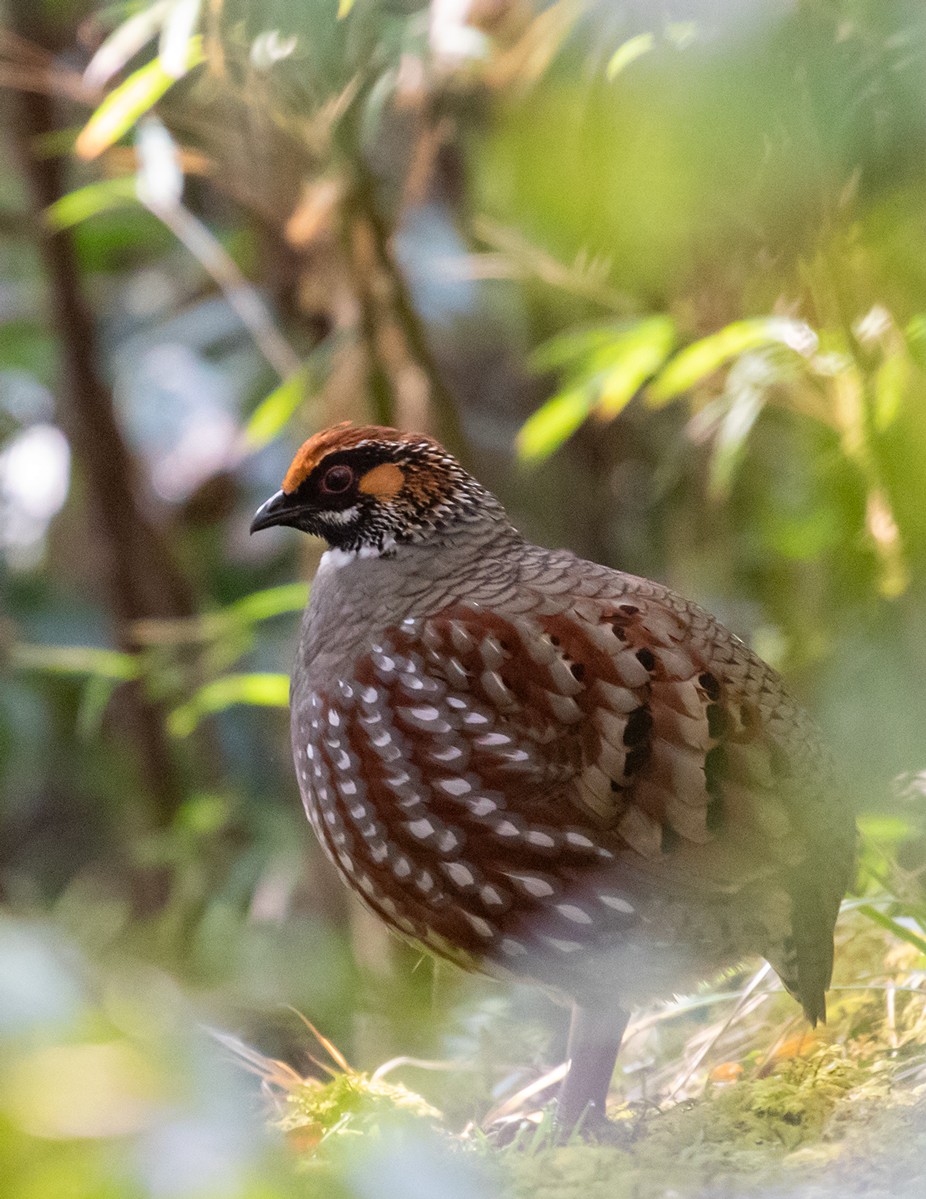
539,767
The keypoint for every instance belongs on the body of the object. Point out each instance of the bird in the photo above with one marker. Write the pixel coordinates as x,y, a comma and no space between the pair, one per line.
542,768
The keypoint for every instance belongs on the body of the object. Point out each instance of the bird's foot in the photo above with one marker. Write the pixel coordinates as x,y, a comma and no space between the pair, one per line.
545,1128
592,1126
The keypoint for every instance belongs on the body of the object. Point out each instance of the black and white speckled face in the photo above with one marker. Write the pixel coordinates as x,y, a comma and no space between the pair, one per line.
367,490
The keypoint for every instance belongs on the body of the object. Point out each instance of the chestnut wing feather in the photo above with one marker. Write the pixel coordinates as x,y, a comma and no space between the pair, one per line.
527,776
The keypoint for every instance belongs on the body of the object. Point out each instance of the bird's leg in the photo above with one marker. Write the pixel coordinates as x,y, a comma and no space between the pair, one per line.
594,1038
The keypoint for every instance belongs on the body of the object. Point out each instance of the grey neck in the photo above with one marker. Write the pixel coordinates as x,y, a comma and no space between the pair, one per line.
356,597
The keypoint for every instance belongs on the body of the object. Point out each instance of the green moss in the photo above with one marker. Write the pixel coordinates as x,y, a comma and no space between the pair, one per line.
817,1116
350,1103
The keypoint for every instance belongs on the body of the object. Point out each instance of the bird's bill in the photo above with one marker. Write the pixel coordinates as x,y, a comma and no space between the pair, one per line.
280,509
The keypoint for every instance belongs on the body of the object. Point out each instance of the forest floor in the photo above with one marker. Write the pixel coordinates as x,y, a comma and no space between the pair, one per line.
752,1104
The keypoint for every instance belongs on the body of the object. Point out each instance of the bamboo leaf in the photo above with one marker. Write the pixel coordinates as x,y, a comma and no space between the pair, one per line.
274,412
637,355
553,423
89,201
176,36
124,43
605,365
885,829
895,926
261,690
130,101
703,357
76,660
892,381
576,344
263,605
629,52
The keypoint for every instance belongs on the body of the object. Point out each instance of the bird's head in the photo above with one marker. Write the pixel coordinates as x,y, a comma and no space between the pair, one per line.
367,489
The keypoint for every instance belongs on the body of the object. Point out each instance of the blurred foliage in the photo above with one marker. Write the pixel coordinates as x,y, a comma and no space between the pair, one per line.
656,270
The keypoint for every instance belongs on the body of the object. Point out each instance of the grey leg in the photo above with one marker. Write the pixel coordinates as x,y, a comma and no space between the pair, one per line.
594,1039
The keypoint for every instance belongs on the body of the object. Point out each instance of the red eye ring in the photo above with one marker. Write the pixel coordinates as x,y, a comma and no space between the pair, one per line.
337,479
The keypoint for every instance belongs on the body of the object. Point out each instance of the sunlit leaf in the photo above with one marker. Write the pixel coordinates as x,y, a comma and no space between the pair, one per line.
130,101
637,355
176,36
694,363
885,829
89,201
274,412
576,344
604,366
204,813
891,383
344,7
629,52
260,690
124,43
76,660
263,605
552,424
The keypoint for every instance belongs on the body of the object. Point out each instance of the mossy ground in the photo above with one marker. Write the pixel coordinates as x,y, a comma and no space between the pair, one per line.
768,1110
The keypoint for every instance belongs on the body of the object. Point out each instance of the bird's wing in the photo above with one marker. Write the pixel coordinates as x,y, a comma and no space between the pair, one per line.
531,772
649,725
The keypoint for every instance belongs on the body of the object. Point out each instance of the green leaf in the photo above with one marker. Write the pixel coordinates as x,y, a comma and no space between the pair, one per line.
263,605
94,700
130,101
274,412
885,829
576,345
76,660
90,201
605,367
629,52
915,334
702,358
261,690
894,926
553,423
892,381
344,7
636,356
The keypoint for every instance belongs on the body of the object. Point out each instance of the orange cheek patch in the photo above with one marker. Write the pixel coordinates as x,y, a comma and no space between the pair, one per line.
383,481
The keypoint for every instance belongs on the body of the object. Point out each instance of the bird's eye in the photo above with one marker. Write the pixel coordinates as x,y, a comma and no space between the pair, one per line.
337,479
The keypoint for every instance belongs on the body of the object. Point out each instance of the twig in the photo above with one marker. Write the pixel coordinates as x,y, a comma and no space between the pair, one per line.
215,259
446,419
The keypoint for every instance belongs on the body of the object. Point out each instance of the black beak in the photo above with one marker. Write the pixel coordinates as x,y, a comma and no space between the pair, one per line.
280,509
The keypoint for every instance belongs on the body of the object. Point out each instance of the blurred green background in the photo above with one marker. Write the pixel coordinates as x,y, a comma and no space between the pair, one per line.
656,271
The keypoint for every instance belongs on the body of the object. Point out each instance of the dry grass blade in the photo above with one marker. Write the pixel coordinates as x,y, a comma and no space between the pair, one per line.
514,1103
330,1048
710,1037
419,1063
271,1071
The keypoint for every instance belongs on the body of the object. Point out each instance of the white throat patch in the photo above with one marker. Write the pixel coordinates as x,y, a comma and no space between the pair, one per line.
335,559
